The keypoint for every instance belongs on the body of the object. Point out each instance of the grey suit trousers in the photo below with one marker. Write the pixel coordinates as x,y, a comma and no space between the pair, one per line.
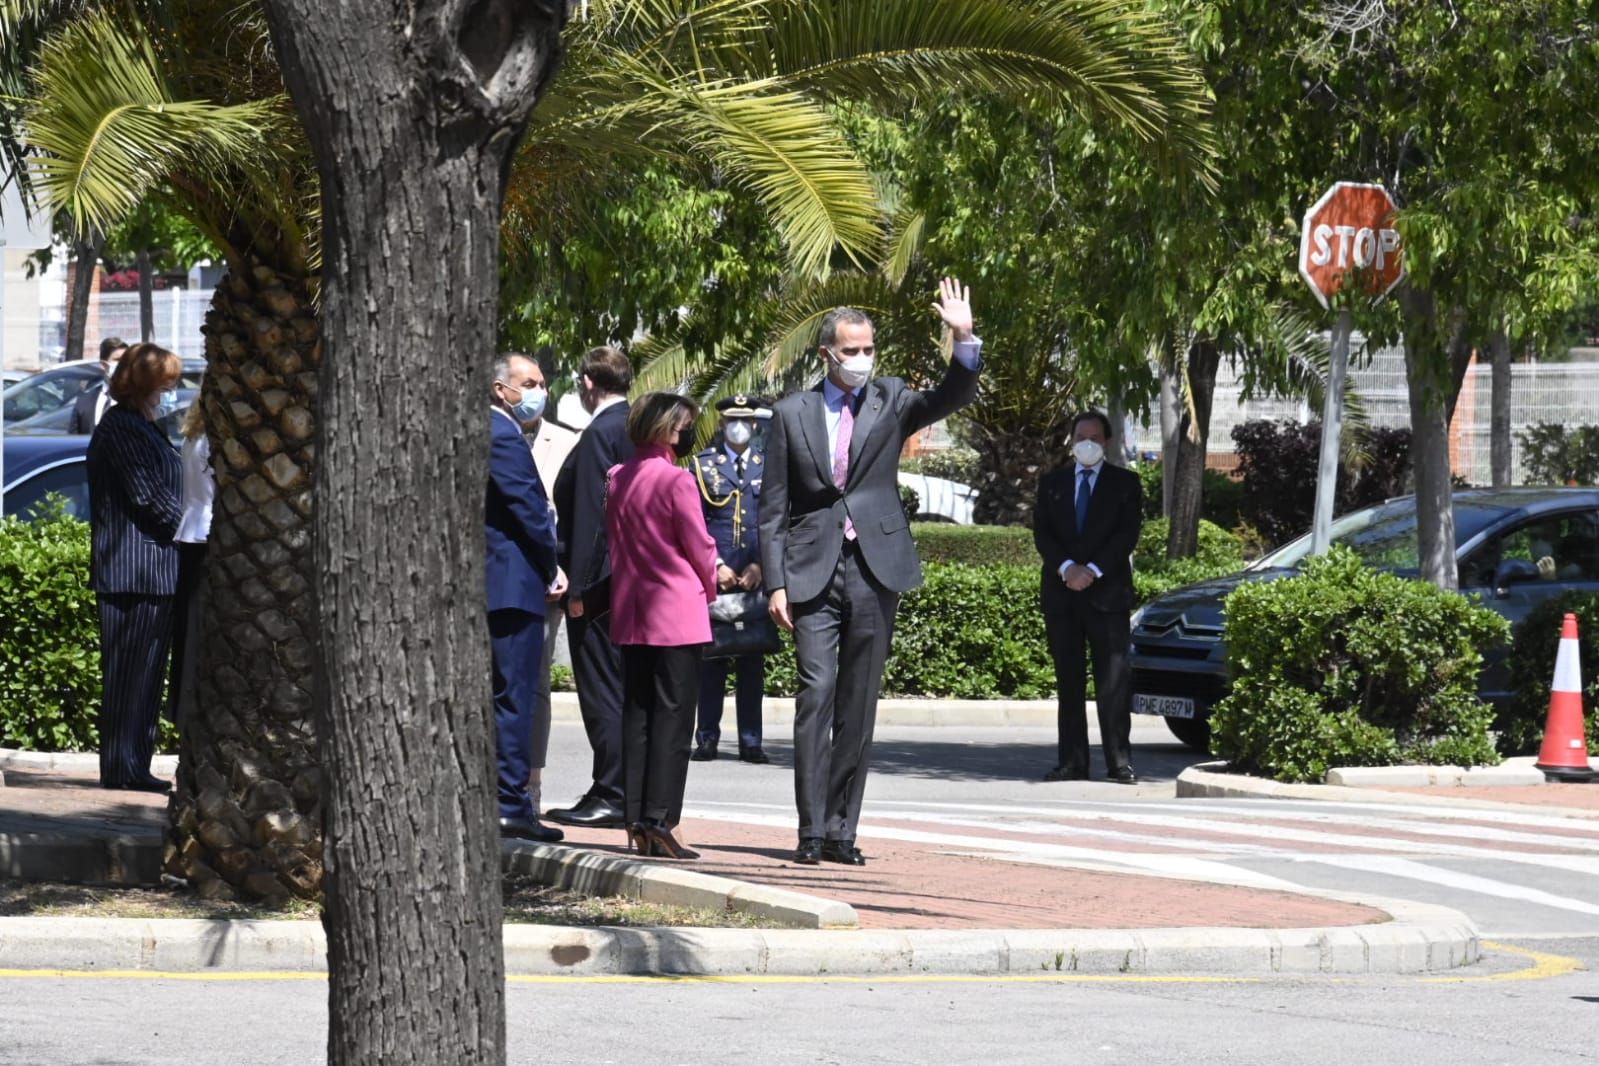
841,643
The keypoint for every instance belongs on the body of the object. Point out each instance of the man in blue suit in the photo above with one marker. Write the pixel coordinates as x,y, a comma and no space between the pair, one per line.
520,574
729,475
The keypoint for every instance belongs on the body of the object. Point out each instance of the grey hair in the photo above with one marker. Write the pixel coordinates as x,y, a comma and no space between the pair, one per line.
502,365
828,333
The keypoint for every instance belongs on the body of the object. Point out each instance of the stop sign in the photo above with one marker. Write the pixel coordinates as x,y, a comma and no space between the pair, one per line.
1348,238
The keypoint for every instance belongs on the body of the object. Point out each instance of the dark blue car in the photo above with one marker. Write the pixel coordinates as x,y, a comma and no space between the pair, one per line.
38,466
1516,548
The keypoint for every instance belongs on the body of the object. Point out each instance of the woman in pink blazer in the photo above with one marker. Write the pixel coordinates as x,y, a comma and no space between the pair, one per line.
663,576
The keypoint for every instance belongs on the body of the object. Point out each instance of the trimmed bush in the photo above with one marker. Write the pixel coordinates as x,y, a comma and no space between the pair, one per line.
1277,462
1220,553
1556,454
1345,666
1532,669
958,464
941,542
970,632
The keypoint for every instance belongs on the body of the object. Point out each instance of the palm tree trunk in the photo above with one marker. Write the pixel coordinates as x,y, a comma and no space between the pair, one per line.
146,295
1193,444
1009,463
86,255
246,816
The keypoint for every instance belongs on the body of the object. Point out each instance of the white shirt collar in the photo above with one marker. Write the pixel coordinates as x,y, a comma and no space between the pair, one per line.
1092,471
609,401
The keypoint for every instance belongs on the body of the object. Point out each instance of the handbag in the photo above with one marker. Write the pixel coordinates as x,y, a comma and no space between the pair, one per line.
740,626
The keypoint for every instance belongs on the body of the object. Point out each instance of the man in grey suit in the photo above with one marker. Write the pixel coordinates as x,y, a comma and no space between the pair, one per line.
836,552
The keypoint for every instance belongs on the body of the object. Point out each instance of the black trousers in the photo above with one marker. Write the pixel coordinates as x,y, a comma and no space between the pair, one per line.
186,630
662,689
135,641
1107,637
750,690
516,639
841,642
597,671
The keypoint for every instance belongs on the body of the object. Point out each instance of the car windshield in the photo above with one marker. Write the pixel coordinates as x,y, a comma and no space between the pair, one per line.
1383,536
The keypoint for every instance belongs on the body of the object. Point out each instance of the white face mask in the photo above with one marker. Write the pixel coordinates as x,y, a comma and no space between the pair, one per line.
1088,452
739,433
855,371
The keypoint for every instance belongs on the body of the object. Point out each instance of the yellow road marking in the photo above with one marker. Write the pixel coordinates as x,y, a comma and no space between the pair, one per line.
1543,966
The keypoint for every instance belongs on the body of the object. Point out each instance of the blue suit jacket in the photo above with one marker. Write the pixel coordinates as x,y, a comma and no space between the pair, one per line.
519,531
135,505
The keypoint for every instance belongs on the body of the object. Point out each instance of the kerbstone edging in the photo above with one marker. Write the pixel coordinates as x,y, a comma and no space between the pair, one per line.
84,762
1208,781
595,874
1422,938
1511,772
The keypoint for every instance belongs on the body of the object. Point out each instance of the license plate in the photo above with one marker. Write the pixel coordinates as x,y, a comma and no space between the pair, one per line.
1165,706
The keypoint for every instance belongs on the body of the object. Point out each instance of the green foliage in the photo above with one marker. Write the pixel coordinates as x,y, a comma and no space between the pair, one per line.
970,632
957,464
1220,553
1342,665
1520,724
1556,454
562,679
1278,464
1222,494
939,542
911,500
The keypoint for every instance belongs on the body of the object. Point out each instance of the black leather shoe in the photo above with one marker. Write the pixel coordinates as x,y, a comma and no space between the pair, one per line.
590,811
754,755
524,828
704,751
809,852
1066,773
1122,775
843,851
147,783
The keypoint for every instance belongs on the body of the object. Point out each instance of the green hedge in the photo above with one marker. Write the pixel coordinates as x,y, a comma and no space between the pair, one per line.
1220,495
1220,553
1345,666
1532,670
940,542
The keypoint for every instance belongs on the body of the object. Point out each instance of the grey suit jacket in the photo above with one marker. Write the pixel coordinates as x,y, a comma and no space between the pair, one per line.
802,512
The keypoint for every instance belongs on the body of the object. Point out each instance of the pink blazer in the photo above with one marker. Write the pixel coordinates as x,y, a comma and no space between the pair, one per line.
663,562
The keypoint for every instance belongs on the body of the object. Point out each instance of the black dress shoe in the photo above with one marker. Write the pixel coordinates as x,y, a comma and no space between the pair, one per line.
843,851
1066,773
809,852
754,755
147,783
1122,775
524,828
590,811
704,751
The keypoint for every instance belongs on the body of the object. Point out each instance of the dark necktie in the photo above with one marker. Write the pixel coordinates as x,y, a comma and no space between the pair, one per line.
1082,499
738,469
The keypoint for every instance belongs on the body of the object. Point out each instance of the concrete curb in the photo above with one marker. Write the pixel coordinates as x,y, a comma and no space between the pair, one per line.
1421,939
1512,772
1206,780
86,762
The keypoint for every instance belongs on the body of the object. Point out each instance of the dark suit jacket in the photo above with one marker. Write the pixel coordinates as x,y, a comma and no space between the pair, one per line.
518,529
580,498
1115,512
135,506
82,420
802,512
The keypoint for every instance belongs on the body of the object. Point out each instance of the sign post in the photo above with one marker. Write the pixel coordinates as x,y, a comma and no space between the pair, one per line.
1347,240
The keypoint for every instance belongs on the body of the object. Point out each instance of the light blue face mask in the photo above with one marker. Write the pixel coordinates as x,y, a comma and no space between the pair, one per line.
530,406
166,403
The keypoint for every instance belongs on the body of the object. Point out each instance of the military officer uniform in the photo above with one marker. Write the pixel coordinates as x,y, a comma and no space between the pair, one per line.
730,490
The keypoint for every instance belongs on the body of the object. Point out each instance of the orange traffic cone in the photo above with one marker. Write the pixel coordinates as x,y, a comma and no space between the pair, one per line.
1564,756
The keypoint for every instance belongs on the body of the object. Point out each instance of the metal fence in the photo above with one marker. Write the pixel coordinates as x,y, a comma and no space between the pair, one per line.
179,314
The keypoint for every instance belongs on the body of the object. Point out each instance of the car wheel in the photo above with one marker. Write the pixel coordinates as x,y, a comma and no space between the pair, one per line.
1194,732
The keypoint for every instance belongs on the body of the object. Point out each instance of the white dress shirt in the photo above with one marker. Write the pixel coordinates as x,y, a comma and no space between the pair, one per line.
1093,482
199,490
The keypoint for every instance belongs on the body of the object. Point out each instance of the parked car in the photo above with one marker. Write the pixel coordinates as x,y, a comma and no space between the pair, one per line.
56,419
38,466
942,500
51,390
9,378
1516,548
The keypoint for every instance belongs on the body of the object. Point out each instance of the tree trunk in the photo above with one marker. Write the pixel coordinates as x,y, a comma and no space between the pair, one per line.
1427,371
146,296
86,254
1009,463
1499,410
246,816
1193,443
413,111
1116,411
1171,422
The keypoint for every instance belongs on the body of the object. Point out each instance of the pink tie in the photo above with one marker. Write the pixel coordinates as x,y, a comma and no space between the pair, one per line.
846,430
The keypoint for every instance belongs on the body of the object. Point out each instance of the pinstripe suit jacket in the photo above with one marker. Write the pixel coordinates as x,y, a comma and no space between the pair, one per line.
135,492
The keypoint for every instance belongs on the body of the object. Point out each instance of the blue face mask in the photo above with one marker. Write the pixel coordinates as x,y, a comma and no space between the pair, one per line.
166,403
530,406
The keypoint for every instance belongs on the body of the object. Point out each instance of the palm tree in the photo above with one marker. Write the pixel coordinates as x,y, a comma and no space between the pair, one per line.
182,100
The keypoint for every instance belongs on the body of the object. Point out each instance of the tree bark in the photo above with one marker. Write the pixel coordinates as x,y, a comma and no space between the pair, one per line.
1009,463
1499,410
86,254
1171,422
1116,411
1187,496
1428,371
413,111
146,295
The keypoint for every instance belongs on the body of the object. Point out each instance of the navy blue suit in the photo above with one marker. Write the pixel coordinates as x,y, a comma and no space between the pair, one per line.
135,505
731,502
520,537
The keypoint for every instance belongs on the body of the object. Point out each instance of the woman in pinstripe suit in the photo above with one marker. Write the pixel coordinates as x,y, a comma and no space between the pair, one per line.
135,488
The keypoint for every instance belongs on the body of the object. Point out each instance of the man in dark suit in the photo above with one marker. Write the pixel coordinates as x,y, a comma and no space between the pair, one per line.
1086,527
520,537
729,475
89,407
836,552
604,378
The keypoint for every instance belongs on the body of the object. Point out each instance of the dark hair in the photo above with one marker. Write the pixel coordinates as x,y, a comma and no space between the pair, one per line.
828,332
609,369
1097,416
109,345
656,415
139,373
